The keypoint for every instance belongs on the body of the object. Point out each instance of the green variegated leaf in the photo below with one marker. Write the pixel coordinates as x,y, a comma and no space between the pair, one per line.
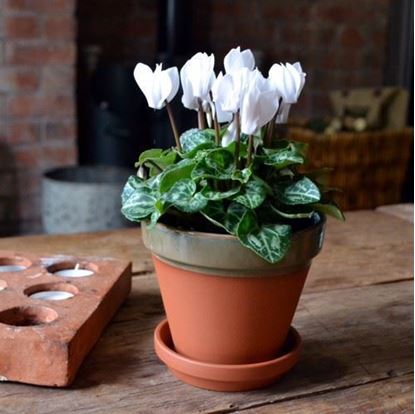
154,183
181,190
218,164
330,209
195,140
270,241
155,215
149,155
247,224
132,184
228,219
174,173
287,153
233,216
241,175
211,194
243,148
156,159
303,191
252,195
183,196
220,160
215,212
195,204
139,204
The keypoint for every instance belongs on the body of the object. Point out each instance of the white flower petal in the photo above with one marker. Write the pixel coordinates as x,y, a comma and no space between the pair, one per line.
157,86
288,79
235,60
230,135
199,76
173,74
283,113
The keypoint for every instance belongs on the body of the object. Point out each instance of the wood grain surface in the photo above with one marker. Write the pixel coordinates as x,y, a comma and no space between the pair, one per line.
355,317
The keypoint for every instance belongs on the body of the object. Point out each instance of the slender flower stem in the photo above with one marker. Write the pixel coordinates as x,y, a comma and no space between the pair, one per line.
238,138
173,126
215,121
201,116
250,150
270,130
271,125
217,129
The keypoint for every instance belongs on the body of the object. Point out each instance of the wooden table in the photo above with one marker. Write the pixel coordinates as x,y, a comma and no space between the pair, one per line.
355,316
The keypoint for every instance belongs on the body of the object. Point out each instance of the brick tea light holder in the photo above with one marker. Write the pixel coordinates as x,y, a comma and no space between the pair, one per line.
52,311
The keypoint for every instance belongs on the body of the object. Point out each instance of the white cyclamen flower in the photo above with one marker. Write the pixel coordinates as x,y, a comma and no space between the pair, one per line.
235,59
289,81
197,76
159,86
259,104
222,116
229,89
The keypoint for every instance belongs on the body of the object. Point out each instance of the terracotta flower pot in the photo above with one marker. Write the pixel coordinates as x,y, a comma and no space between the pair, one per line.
224,304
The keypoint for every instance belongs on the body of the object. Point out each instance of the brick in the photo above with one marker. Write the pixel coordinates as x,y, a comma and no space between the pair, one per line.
338,13
29,180
21,27
59,156
59,27
29,208
57,78
60,131
27,156
351,38
41,6
8,185
23,132
77,324
26,106
40,54
18,80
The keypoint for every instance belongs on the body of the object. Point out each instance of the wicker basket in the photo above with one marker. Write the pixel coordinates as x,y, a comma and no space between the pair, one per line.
369,167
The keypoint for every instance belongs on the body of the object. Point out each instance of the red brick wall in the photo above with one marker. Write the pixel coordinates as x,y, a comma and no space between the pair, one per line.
340,43
37,103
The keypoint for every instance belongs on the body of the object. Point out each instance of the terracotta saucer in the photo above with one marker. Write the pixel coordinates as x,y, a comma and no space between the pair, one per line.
217,377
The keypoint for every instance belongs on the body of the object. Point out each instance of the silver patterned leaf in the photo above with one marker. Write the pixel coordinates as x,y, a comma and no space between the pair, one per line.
183,196
140,204
194,140
252,195
211,194
302,191
270,241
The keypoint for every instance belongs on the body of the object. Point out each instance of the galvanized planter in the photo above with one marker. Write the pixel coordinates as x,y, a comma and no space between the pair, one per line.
86,198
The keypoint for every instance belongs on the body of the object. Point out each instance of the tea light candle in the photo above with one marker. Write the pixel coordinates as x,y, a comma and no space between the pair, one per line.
75,272
11,268
52,295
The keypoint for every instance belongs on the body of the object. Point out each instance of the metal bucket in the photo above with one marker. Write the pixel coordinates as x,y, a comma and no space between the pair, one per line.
83,199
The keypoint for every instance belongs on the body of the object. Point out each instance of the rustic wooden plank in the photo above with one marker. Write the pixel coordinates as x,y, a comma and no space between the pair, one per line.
351,337
125,244
402,211
350,257
369,248
390,396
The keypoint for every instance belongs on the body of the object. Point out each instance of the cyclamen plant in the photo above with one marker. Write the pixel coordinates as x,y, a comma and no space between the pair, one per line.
232,170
